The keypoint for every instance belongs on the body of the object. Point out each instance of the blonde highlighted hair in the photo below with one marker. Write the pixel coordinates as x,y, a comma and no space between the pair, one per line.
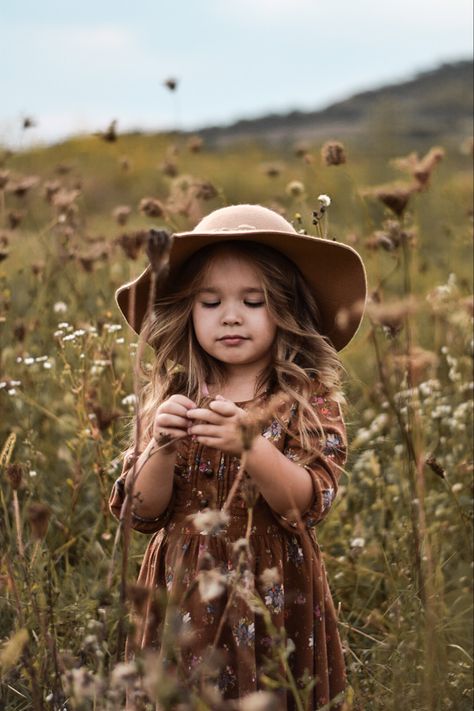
300,353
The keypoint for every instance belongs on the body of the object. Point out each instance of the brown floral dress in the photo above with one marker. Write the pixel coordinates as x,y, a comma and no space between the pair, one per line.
297,595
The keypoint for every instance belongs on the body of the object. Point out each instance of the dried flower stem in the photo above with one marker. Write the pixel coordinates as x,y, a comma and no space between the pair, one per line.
16,511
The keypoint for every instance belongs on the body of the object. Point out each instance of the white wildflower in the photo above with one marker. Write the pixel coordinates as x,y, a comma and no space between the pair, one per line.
358,543
325,200
129,399
29,360
258,701
32,473
456,487
210,522
60,307
124,673
211,584
47,365
270,576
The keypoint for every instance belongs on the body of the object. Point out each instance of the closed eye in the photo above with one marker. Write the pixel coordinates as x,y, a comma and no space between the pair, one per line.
252,304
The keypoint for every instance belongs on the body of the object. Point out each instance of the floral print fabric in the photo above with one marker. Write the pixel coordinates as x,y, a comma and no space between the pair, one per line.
286,572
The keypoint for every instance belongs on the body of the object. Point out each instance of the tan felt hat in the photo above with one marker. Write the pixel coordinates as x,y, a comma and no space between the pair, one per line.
334,271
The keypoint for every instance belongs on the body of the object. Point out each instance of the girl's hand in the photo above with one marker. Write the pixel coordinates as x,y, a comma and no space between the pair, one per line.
220,428
170,423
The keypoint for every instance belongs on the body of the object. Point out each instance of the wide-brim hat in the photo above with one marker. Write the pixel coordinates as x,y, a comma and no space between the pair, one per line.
335,272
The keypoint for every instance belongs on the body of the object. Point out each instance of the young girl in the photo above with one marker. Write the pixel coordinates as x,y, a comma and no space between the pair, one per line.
245,330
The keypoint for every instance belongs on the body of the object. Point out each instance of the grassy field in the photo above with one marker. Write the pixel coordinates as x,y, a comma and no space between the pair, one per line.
398,543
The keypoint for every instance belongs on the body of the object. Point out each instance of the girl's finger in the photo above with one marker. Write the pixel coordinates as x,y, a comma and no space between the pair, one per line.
204,430
202,413
164,419
224,407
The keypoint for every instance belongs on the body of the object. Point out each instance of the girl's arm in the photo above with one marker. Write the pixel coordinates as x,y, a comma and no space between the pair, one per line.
154,482
282,483
152,490
313,486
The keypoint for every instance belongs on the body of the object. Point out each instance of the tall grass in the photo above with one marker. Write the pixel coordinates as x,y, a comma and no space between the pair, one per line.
398,543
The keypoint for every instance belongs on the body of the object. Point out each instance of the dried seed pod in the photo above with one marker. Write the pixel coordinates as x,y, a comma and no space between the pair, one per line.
15,475
38,517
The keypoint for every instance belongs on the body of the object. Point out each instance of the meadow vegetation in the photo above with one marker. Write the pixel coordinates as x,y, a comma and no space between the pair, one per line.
397,546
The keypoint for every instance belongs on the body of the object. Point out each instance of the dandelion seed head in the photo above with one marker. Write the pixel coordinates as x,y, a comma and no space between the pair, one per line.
325,200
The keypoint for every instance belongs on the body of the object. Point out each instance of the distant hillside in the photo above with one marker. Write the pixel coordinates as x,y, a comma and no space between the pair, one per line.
435,105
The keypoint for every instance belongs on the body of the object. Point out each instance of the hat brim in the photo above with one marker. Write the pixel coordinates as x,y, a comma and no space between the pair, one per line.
334,271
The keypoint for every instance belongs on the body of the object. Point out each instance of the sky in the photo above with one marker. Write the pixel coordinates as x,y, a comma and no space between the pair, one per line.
74,66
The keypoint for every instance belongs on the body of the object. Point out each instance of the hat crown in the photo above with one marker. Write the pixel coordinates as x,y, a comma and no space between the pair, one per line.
243,217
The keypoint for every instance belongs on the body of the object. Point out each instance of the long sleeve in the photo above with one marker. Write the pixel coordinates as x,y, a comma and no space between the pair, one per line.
330,455
117,497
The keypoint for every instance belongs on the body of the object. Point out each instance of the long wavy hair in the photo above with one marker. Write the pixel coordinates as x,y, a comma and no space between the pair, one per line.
300,352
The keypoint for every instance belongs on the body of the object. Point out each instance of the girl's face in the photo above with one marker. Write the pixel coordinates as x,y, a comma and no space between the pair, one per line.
231,303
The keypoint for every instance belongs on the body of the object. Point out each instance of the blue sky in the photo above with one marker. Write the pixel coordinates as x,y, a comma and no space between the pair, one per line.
74,66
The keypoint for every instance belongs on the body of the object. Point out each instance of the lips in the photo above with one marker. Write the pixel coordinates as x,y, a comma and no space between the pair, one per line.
233,339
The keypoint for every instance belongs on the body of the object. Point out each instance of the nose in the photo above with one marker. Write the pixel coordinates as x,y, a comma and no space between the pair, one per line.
231,315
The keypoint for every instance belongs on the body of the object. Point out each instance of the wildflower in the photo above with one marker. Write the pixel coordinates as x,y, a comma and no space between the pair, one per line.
169,168
121,213
325,200
158,249
124,674
394,195
333,153
195,144
272,170
391,315
171,83
15,475
210,521
420,169
250,491
240,545
129,399
132,242
151,207
59,307
14,219
295,188
435,466
456,487
110,134
51,187
301,149
38,516
260,701
417,362
357,543
270,576
64,200
22,186
83,684
211,584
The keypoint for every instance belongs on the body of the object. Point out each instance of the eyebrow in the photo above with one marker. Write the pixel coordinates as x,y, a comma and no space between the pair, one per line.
246,289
